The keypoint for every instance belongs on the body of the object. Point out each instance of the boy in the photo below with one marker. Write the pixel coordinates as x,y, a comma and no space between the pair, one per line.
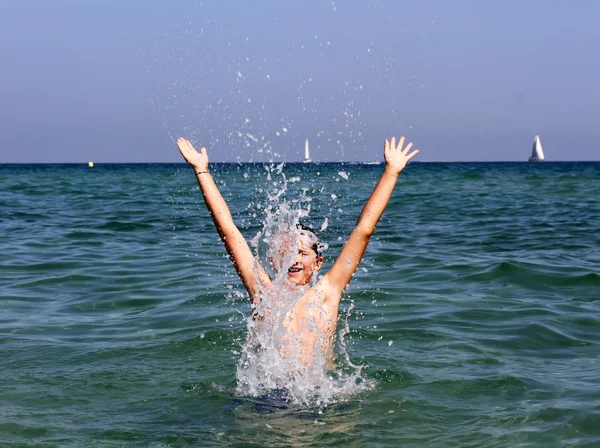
305,325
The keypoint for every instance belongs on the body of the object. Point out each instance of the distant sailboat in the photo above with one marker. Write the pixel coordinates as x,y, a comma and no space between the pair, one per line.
307,158
537,153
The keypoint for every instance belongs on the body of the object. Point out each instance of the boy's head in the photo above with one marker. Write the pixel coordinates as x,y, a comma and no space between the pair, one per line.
309,258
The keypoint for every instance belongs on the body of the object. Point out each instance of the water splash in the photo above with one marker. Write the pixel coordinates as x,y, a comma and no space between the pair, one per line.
290,346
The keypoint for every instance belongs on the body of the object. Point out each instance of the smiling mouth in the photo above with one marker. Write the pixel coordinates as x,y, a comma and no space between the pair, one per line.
294,269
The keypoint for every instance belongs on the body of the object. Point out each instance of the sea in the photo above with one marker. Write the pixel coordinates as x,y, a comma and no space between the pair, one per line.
473,320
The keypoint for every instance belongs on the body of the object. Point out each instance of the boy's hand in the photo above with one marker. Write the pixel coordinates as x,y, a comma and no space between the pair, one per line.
396,157
198,160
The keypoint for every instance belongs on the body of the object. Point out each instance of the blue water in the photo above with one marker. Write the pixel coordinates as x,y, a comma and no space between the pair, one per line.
475,312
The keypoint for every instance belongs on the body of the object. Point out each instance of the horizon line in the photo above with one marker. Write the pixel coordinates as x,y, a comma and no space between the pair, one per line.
369,162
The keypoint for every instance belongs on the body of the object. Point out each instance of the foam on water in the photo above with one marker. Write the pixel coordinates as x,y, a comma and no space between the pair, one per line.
297,362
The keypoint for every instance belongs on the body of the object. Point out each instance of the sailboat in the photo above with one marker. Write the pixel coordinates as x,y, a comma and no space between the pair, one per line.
537,153
307,158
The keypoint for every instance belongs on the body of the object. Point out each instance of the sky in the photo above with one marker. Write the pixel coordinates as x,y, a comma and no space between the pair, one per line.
119,81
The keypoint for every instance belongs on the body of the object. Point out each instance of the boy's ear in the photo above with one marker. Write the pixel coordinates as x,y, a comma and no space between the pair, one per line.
319,264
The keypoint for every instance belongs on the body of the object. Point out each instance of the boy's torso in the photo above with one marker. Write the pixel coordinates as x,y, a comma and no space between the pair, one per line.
309,323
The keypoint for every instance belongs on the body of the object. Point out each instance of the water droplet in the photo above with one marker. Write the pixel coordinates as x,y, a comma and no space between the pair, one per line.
324,225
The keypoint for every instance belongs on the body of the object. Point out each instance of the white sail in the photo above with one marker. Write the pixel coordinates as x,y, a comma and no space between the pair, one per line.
307,158
537,153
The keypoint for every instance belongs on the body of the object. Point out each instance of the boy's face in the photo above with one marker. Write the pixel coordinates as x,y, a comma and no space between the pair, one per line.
306,262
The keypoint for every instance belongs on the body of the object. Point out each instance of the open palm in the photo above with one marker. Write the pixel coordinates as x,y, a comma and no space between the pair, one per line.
396,157
198,160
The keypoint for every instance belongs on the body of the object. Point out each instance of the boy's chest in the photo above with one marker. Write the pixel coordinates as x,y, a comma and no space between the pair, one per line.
309,314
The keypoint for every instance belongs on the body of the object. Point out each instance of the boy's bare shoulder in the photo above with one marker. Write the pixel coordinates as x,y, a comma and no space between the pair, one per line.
329,293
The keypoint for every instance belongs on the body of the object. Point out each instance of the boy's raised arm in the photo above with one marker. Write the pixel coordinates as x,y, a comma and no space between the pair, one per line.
340,274
232,238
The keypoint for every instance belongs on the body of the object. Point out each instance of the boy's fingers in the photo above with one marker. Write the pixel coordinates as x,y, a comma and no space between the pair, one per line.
393,142
405,151
412,154
401,143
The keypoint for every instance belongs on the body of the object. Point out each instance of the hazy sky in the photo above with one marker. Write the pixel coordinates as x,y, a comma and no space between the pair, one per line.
117,81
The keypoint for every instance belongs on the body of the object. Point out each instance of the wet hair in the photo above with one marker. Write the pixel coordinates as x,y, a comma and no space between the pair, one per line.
317,246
